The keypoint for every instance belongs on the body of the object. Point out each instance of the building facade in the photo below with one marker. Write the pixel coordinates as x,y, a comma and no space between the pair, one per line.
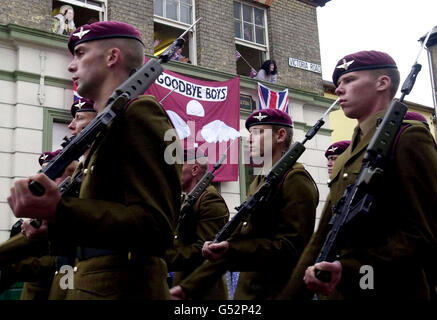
36,90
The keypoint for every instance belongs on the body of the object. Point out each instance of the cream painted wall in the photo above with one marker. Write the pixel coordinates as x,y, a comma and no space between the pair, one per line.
21,121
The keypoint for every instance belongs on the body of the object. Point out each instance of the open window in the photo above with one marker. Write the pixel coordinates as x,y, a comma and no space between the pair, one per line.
79,11
171,18
251,40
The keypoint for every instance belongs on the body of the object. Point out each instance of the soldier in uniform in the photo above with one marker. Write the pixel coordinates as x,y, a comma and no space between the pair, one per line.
29,260
265,247
334,151
122,221
83,112
209,214
394,244
40,264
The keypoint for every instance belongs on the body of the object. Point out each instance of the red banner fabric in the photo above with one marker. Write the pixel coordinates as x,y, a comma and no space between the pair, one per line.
206,116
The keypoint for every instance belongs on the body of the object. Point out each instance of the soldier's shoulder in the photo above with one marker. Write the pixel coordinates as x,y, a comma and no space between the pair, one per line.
142,101
298,174
211,193
297,169
414,135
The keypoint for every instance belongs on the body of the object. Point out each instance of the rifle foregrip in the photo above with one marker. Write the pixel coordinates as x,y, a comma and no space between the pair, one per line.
16,228
323,275
36,188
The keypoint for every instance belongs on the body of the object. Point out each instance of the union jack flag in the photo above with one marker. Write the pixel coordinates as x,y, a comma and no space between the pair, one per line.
75,95
237,55
272,99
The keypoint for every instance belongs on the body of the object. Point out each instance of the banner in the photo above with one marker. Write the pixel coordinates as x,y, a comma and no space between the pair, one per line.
206,115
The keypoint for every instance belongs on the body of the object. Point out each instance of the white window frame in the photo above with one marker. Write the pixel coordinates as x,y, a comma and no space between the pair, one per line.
164,8
103,12
183,26
250,44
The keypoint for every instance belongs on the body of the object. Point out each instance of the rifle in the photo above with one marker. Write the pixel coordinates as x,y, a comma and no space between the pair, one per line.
357,199
68,187
199,188
263,194
134,86
16,228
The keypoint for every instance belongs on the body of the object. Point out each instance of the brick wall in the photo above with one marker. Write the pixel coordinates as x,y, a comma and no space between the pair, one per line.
293,33
215,35
138,13
28,13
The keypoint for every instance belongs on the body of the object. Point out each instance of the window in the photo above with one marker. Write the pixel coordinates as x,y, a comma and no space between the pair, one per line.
55,127
250,24
84,12
178,10
171,18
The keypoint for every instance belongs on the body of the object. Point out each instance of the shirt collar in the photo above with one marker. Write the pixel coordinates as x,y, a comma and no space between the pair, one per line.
367,125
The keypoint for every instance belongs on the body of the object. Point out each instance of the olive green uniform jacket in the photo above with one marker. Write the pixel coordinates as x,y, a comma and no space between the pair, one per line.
128,203
18,248
398,239
209,215
25,260
38,274
266,247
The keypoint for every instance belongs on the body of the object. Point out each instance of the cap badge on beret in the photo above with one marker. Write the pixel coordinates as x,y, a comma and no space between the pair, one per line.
362,60
260,117
332,149
345,64
269,116
48,156
81,33
80,104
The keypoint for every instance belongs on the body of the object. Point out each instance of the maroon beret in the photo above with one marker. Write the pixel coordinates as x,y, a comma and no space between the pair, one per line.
274,117
362,60
47,156
82,105
337,148
414,116
103,30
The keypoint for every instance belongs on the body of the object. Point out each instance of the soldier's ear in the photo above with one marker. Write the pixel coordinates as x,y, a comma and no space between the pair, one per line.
383,82
195,169
113,56
281,135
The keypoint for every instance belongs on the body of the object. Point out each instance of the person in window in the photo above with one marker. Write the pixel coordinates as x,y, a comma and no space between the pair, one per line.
268,72
63,22
179,57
